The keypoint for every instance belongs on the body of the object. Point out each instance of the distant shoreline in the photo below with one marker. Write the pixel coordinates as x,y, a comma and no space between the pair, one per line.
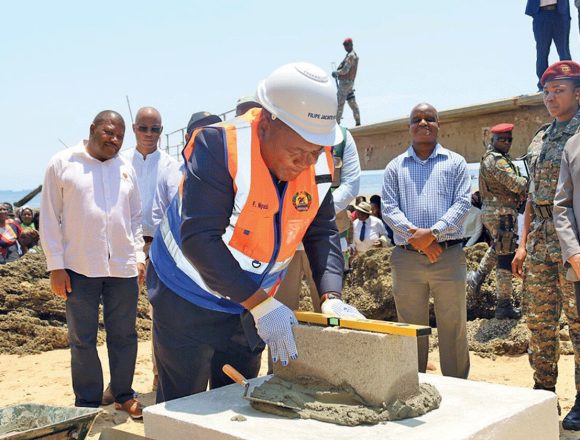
13,196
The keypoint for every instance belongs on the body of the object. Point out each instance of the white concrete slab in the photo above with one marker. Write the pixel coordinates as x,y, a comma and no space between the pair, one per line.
469,410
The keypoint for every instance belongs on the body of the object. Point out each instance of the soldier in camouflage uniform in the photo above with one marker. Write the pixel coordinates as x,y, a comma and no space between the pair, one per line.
502,189
546,290
346,73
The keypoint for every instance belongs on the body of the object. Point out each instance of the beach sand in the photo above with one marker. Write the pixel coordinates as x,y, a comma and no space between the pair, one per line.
45,378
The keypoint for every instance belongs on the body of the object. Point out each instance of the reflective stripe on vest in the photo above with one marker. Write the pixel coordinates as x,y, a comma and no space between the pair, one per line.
264,230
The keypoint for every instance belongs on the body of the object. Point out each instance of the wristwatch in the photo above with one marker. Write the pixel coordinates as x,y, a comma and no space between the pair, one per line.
330,295
436,233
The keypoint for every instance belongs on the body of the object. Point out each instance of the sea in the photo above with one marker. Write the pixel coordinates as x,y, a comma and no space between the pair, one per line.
14,196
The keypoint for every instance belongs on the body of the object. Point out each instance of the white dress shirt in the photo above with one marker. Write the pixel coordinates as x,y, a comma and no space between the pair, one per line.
166,190
375,230
349,175
151,170
91,215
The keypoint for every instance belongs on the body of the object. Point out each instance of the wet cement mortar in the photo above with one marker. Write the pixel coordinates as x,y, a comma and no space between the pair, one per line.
309,398
33,319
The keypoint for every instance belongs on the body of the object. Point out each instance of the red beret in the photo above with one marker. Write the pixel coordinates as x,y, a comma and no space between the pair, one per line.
502,128
347,41
561,70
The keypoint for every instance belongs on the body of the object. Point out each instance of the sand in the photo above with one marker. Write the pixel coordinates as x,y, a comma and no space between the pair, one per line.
45,378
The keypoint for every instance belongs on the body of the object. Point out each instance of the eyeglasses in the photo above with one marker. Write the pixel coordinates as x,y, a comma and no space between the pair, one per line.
505,139
145,129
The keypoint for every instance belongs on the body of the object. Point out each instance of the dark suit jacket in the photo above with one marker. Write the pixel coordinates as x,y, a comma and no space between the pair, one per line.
533,7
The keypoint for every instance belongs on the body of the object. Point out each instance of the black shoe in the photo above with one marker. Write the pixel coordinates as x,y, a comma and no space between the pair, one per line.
475,279
506,310
108,398
572,420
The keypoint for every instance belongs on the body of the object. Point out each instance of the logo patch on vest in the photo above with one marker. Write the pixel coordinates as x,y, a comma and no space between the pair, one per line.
302,201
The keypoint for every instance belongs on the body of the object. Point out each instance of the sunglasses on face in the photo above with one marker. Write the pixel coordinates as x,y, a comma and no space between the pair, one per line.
504,139
145,129
429,120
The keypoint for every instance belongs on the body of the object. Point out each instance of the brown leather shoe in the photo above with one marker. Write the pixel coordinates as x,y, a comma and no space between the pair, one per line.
132,406
108,398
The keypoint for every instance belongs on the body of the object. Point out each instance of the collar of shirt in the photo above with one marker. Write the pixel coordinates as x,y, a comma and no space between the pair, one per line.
149,158
410,153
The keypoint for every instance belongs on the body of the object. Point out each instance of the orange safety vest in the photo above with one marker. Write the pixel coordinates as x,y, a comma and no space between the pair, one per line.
265,228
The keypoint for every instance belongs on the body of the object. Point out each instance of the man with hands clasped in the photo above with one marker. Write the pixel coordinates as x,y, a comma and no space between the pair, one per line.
425,199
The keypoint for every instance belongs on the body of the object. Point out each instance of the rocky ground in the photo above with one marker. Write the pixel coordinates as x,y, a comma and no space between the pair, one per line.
32,319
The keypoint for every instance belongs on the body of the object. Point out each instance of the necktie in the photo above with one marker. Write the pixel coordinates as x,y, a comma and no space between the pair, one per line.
362,231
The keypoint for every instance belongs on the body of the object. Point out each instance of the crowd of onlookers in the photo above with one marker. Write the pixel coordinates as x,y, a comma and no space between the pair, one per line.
18,231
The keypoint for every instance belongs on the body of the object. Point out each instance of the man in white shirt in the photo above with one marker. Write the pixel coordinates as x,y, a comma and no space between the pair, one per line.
151,165
168,184
92,239
368,230
153,168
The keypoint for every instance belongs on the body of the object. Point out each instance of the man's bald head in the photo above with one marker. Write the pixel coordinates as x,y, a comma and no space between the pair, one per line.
147,129
424,106
147,112
108,115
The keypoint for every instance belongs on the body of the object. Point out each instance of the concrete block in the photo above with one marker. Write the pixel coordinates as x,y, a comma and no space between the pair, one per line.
380,367
469,411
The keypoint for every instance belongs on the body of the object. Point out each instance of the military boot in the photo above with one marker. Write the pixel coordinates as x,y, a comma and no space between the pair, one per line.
572,420
506,310
475,279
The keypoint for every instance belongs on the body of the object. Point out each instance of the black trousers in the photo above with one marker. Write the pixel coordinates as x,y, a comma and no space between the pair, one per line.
191,344
119,297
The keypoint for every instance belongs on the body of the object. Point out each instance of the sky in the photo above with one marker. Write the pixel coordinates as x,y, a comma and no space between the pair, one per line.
64,61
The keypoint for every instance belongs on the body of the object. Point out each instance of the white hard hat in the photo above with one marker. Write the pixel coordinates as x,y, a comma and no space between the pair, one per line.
304,98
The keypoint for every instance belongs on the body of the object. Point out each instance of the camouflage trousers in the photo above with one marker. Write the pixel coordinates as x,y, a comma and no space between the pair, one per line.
345,88
546,293
503,277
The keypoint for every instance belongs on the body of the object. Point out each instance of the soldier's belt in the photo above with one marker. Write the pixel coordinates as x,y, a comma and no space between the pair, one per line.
543,211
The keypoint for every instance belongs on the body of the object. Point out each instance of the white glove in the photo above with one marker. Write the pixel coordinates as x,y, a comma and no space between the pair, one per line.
274,323
336,307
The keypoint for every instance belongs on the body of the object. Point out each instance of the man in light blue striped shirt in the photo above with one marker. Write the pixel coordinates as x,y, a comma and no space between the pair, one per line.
426,197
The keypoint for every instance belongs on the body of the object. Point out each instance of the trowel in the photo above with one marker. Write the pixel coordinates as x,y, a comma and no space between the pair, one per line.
239,378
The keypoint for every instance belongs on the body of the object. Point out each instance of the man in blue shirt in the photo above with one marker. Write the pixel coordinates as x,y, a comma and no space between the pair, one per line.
425,200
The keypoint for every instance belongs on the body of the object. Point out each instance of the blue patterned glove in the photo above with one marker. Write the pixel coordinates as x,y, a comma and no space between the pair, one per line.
274,323
336,307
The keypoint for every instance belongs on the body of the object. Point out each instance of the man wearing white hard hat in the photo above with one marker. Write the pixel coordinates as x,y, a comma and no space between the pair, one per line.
255,187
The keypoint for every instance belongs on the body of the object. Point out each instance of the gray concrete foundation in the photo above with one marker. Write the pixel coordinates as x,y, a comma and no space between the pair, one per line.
469,410
380,367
